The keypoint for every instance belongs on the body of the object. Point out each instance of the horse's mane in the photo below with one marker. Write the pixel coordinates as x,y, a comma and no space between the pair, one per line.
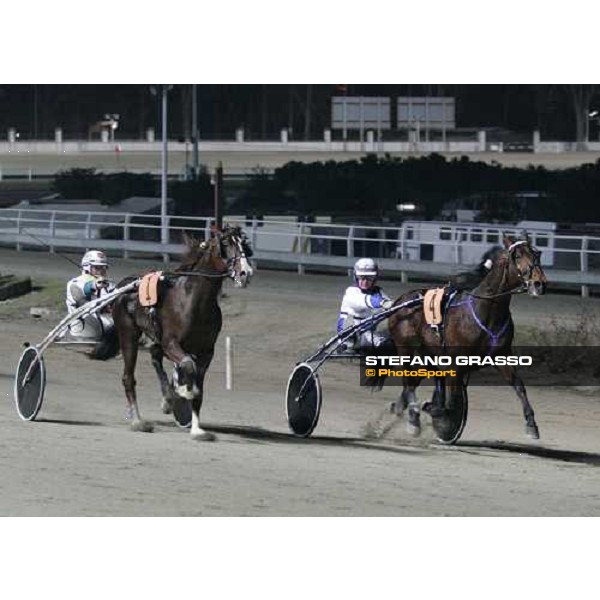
203,251
197,251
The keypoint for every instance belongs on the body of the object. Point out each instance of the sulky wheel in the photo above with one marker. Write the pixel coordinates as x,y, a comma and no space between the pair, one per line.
449,427
30,383
303,400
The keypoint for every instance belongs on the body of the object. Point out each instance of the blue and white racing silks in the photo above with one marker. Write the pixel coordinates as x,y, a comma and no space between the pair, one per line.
80,290
361,304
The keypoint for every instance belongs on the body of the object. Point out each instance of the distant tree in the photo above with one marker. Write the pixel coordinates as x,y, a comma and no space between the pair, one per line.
581,95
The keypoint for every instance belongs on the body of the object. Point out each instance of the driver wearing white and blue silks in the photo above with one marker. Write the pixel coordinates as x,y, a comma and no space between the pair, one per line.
91,284
361,301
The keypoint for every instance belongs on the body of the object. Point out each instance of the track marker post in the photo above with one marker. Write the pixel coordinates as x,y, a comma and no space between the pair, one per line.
228,364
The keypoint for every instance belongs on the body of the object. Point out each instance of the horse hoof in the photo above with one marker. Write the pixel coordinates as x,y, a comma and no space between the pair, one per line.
203,436
413,430
143,426
413,424
397,408
532,432
165,407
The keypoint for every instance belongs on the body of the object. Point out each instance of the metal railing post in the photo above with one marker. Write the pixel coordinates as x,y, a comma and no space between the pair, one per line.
52,228
167,238
350,243
300,243
585,291
88,226
254,232
18,231
126,235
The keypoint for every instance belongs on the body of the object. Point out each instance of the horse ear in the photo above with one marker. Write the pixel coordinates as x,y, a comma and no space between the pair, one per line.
188,239
507,240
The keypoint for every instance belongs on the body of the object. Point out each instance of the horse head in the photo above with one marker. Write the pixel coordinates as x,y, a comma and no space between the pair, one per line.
225,253
236,249
524,266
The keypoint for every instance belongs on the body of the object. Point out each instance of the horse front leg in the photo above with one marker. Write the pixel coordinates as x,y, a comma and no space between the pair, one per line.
509,373
157,354
197,432
184,376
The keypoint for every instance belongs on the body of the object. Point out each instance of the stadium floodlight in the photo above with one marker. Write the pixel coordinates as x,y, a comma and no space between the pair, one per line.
164,234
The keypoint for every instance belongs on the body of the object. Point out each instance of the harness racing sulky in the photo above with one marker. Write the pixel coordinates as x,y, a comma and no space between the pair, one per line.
428,323
176,314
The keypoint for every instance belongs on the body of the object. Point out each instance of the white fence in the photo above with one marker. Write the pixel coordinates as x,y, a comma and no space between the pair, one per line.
571,260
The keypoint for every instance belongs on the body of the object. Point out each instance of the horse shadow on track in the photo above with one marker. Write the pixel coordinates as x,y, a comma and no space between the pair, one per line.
570,456
258,434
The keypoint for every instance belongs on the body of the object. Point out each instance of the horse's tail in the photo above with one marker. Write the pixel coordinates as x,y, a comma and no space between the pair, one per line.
107,347
375,382
388,348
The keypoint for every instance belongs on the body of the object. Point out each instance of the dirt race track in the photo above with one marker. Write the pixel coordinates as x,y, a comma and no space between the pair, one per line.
80,458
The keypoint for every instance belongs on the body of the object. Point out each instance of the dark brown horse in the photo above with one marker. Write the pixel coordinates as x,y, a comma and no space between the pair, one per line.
478,323
185,324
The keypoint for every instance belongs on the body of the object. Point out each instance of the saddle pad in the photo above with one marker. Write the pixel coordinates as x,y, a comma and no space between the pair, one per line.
148,290
432,306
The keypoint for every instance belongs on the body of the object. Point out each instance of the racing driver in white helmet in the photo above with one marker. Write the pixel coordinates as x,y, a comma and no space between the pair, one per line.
91,284
361,301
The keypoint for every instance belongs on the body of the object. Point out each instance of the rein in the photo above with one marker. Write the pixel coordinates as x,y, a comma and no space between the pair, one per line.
521,288
213,274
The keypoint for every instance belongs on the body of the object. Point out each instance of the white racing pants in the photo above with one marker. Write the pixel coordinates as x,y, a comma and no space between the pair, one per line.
92,327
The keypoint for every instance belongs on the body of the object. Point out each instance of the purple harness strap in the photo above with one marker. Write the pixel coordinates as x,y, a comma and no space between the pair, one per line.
494,337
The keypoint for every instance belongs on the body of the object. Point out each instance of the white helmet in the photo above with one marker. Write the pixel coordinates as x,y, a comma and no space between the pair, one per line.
93,258
366,267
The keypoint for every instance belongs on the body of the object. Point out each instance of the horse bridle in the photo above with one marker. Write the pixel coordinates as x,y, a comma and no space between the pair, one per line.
229,263
535,263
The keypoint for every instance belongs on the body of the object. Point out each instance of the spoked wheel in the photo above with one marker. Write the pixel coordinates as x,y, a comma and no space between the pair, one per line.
182,412
30,383
449,427
303,400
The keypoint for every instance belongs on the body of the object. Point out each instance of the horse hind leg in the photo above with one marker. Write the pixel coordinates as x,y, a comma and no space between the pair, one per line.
398,407
128,338
511,376
133,412
168,394
409,399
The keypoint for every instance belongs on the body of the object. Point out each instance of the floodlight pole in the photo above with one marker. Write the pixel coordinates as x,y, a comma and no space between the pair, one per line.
164,233
195,160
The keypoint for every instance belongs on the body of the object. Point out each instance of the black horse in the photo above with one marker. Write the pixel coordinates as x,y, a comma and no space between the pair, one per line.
478,322
185,325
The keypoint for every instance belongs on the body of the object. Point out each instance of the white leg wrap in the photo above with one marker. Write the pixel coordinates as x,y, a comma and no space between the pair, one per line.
196,429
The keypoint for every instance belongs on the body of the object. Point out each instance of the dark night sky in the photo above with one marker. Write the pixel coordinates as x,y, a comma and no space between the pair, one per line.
35,110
